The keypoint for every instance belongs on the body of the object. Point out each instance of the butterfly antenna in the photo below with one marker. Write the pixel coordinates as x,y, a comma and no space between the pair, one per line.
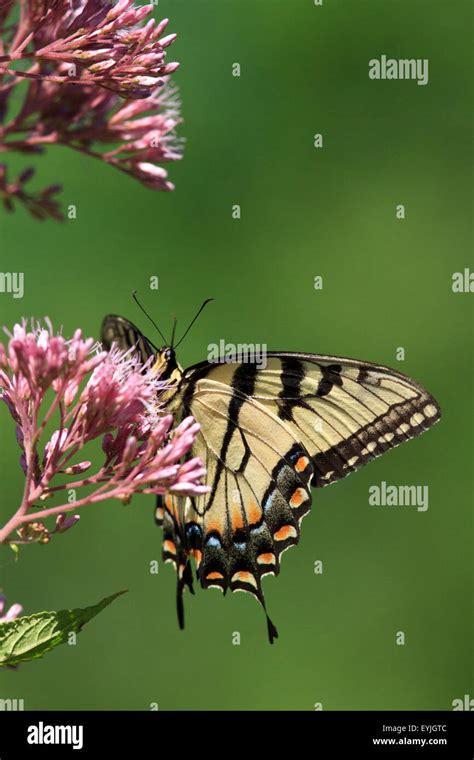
208,300
175,322
134,296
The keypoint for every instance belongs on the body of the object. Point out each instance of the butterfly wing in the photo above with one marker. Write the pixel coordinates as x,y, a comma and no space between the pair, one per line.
265,432
125,335
169,514
257,461
345,412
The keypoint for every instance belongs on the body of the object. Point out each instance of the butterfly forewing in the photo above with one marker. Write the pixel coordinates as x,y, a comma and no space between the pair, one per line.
125,335
344,412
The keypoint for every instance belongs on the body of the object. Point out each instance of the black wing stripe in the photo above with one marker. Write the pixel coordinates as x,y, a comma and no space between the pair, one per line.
221,461
291,377
243,384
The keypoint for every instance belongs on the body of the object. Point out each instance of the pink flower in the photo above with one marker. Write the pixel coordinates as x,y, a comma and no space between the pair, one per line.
14,611
38,359
96,395
97,76
116,396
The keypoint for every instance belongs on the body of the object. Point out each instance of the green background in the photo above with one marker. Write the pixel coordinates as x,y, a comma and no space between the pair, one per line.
387,283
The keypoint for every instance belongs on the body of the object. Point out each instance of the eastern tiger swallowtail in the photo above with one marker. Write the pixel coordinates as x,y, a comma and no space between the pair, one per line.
267,437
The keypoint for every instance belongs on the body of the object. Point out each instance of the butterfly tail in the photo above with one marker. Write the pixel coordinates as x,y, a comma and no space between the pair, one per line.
185,579
223,568
272,631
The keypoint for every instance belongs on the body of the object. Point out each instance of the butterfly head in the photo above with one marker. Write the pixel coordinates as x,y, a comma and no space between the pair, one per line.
166,366
126,335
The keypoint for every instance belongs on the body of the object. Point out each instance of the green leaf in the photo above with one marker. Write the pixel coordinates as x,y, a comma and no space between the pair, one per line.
30,637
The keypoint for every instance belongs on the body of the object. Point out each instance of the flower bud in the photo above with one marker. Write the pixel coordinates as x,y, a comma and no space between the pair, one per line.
76,469
64,522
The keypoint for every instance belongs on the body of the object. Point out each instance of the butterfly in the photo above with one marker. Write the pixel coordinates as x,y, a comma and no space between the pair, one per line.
268,435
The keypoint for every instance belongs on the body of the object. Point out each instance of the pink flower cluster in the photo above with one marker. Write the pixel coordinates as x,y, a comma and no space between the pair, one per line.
93,395
97,76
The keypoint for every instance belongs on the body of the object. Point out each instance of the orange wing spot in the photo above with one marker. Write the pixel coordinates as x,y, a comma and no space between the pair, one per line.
237,517
159,513
243,576
197,554
214,576
169,503
299,496
214,526
168,546
287,531
254,513
266,559
301,464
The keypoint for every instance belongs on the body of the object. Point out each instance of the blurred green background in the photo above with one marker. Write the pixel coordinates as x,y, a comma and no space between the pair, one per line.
387,283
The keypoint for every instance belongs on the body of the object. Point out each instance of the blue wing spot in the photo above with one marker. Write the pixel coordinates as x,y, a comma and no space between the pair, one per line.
214,541
194,530
269,502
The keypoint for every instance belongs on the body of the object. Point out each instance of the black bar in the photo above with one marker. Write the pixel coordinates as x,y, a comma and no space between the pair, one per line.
322,734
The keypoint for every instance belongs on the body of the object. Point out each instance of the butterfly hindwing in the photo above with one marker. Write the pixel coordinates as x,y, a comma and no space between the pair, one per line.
169,514
258,496
259,478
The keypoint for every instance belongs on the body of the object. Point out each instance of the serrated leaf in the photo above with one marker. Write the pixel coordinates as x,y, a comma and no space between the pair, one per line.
30,637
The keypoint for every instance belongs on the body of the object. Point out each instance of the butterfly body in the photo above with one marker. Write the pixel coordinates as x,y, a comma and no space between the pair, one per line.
171,373
267,436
